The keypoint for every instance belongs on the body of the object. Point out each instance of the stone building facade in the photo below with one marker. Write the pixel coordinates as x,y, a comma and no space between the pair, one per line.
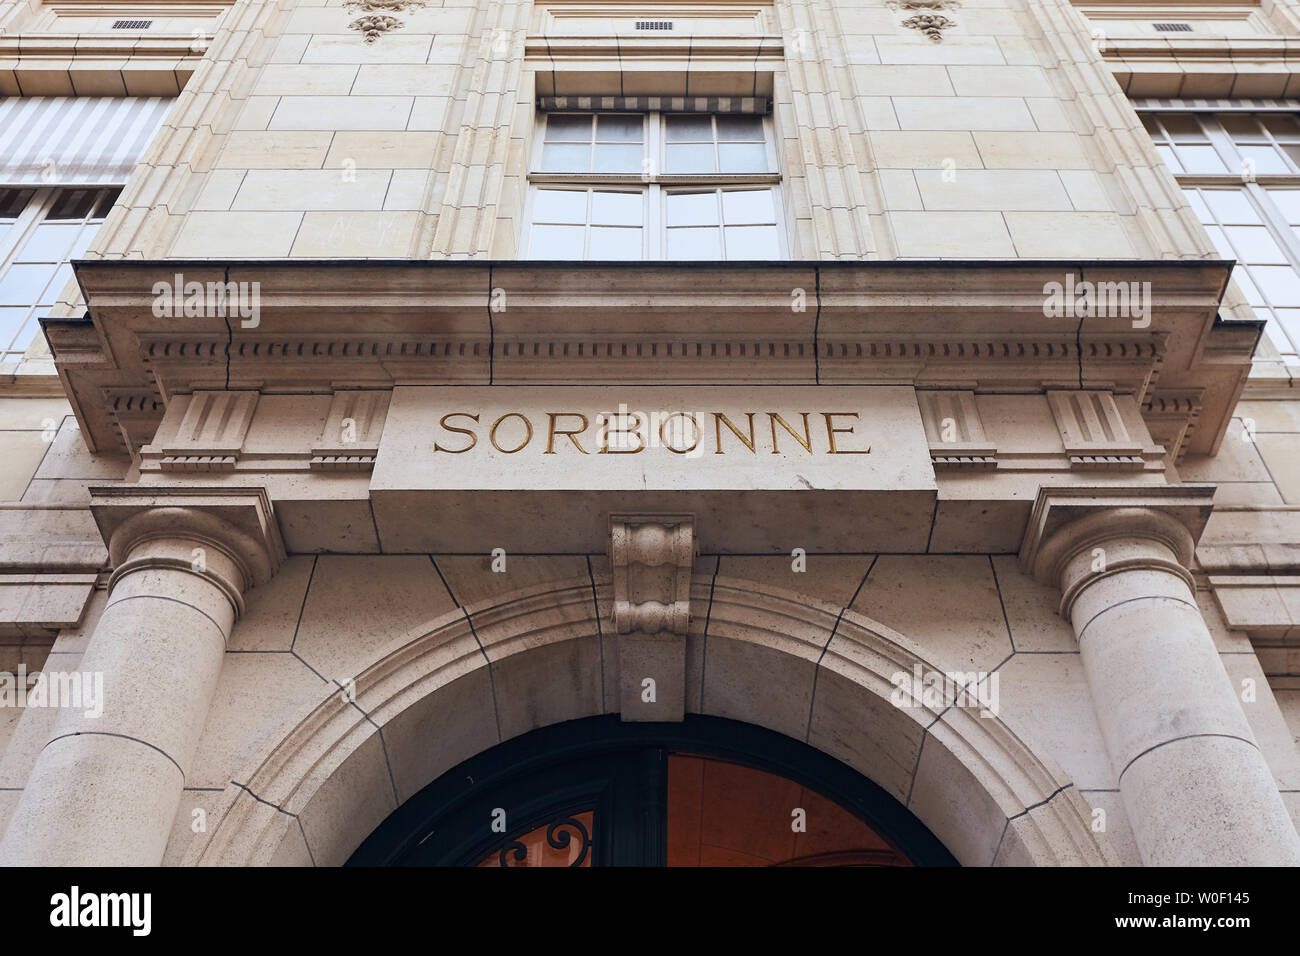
857,393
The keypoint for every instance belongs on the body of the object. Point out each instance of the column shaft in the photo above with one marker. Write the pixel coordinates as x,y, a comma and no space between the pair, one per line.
105,789
1194,783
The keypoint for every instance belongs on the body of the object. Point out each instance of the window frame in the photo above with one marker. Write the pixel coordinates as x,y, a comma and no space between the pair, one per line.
1224,146
653,183
1255,191
16,236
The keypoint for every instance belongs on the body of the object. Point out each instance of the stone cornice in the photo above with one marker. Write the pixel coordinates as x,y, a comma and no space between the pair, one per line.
97,65
68,45
336,324
1205,66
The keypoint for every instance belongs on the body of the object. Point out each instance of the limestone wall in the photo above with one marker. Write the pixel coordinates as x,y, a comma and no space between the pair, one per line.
1007,139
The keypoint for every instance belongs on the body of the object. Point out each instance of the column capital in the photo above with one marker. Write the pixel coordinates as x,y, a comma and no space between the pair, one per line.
1149,526
161,527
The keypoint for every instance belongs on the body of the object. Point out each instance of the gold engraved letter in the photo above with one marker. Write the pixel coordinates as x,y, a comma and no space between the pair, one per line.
720,419
832,431
620,432
473,439
685,417
492,433
572,434
806,441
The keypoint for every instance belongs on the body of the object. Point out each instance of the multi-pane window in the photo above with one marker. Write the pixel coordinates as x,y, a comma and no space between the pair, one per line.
654,186
41,231
714,144
721,224
588,224
1265,273
1260,144
1241,174
593,143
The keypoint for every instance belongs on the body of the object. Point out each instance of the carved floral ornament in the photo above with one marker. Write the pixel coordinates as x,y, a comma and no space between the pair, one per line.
929,21
377,22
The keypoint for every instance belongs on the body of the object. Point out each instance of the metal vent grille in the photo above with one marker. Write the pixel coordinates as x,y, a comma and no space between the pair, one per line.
132,24
654,24
1173,27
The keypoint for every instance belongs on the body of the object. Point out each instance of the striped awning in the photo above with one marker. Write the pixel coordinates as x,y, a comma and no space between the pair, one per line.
65,140
646,104
1153,104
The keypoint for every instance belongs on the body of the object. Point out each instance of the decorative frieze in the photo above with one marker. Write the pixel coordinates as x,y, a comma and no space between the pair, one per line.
880,322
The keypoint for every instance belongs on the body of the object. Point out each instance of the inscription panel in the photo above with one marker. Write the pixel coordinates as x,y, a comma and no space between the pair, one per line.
837,468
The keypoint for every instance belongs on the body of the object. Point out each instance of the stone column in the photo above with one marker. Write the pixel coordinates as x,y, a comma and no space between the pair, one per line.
105,789
1196,788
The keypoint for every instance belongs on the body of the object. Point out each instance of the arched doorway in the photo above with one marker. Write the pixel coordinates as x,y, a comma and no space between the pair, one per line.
536,658
600,792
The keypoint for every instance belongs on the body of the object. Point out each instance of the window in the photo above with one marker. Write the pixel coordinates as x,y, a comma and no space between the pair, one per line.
41,231
1184,144
1241,174
654,186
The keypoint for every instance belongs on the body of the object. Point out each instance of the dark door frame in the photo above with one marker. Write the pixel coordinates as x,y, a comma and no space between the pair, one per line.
618,768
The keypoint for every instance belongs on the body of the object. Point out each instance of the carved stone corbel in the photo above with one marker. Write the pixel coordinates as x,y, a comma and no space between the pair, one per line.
349,441
1093,432
955,431
929,21
652,558
375,23
211,435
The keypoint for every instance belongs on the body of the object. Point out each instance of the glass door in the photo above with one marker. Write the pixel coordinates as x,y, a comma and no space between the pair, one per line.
598,792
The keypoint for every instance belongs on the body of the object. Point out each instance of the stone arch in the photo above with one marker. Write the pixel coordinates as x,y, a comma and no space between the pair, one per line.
542,655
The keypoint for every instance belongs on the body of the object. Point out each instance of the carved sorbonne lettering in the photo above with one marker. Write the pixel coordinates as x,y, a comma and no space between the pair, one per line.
573,432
